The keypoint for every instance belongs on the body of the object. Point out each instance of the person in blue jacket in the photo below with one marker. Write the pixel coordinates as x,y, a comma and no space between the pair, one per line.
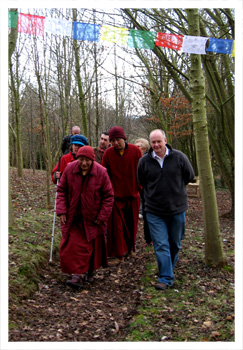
164,173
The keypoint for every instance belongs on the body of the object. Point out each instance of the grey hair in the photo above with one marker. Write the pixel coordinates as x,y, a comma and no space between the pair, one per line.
160,130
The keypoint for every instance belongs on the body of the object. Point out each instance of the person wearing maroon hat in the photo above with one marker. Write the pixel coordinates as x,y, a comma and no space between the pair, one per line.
84,203
121,162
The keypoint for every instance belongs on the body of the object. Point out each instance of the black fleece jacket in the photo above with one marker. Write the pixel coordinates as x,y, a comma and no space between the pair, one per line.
165,188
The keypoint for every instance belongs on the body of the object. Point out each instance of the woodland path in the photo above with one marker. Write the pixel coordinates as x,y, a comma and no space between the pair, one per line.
103,311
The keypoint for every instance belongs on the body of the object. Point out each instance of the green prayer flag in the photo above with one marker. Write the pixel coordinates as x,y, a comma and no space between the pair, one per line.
140,39
12,19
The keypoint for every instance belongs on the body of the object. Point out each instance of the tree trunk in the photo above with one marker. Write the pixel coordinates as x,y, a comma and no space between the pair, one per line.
213,240
12,44
15,89
79,82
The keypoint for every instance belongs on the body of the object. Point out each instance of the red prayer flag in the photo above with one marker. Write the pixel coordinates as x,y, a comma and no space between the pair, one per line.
172,41
31,24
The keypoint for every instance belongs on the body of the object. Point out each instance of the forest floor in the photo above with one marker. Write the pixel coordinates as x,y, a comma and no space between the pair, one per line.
122,303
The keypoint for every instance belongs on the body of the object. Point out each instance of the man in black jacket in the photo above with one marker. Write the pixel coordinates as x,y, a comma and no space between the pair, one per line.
164,173
65,147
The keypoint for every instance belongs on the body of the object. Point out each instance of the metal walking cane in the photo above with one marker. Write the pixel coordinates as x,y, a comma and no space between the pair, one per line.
54,217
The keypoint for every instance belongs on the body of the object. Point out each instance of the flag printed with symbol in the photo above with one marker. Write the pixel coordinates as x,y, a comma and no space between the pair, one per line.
233,50
12,19
114,34
30,24
58,26
140,39
220,45
194,44
86,31
172,41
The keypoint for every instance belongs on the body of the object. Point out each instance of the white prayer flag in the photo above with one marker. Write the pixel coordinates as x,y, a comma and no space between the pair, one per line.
58,26
194,44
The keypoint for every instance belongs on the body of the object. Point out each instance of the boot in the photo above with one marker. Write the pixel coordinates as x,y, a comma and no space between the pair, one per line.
75,282
89,277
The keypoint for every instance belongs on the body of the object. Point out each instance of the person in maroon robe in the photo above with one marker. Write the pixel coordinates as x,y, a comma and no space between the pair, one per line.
121,162
84,203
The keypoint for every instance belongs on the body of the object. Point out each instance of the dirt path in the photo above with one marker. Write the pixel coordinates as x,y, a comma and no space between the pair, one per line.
99,312
102,311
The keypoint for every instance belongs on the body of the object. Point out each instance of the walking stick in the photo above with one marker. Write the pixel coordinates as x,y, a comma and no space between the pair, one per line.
54,217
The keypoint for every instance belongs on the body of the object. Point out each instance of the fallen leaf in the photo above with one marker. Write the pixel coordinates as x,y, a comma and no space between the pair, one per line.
215,334
116,330
207,324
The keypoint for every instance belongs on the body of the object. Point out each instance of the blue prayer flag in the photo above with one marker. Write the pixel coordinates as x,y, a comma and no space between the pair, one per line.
220,45
86,31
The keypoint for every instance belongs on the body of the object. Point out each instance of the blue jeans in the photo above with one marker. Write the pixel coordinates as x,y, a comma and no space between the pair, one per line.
166,234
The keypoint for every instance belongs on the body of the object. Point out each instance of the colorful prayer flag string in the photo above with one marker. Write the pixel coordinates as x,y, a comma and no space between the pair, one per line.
138,39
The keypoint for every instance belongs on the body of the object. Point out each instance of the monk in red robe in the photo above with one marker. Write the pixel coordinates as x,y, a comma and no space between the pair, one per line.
84,203
121,162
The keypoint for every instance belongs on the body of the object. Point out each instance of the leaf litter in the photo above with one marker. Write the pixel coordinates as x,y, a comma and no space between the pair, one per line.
111,309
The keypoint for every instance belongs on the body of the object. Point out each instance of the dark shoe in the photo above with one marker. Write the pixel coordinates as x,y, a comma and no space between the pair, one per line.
161,286
89,278
132,254
75,282
115,261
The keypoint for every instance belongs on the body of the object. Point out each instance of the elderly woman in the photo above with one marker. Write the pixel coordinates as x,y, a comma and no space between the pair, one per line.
84,203
143,145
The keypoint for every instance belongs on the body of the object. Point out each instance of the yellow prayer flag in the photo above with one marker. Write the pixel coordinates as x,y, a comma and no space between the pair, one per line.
114,34
233,49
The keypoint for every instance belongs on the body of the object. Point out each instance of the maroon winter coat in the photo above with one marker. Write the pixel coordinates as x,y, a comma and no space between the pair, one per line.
84,199
91,196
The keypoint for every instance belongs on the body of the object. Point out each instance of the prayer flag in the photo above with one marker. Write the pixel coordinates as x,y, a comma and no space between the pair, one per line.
172,41
58,26
85,31
220,45
140,39
114,34
233,50
12,19
30,24
194,44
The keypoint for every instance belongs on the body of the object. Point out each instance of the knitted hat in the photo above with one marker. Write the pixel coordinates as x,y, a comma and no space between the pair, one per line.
79,140
86,151
116,132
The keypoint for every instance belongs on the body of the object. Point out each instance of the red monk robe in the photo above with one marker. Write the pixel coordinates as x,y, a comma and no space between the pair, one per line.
84,199
122,224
